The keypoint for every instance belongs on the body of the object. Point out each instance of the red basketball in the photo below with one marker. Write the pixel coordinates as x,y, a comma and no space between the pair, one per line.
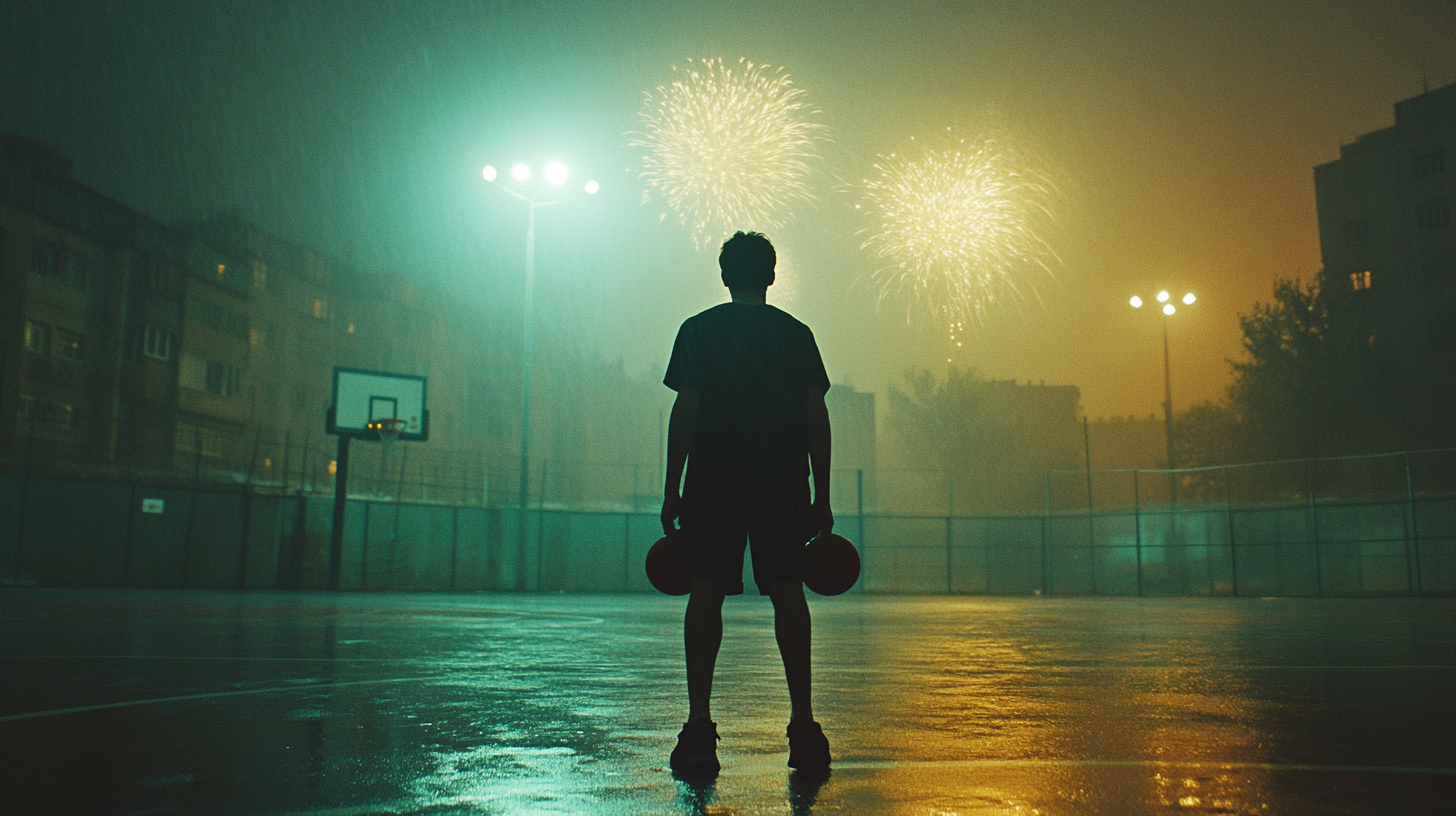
665,567
831,564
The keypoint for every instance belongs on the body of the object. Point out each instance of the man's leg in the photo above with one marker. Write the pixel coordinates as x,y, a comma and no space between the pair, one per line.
792,629
702,635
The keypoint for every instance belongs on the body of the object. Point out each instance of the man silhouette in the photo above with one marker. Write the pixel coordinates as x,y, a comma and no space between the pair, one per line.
748,421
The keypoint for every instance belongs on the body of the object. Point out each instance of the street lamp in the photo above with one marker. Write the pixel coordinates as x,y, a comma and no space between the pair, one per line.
556,175
1168,310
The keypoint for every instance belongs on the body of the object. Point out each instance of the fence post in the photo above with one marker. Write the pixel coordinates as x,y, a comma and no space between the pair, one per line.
1137,529
364,550
454,544
949,531
541,527
1415,530
1319,583
1228,502
1046,523
286,452
859,510
627,545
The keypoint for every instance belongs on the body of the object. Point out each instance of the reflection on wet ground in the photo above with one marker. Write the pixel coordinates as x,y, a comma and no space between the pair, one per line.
127,701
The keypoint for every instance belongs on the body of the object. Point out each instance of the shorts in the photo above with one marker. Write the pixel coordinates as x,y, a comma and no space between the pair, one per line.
715,538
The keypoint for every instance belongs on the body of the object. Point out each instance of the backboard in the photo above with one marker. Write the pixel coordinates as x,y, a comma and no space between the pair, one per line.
361,397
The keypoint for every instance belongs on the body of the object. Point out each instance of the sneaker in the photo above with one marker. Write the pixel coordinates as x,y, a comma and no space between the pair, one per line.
808,747
696,753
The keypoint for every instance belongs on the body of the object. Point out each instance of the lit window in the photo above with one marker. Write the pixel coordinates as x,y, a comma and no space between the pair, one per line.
37,338
1360,281
318,309
221,268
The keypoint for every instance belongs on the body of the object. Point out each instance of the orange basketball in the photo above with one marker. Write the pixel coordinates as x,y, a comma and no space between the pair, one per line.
665,567
831,564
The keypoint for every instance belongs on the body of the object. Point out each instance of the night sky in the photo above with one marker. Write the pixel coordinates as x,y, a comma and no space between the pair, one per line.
1182,136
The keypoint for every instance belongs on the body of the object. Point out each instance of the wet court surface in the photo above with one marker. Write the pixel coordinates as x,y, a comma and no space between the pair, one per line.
190,702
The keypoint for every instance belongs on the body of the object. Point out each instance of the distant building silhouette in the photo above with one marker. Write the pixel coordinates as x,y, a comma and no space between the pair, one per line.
1128,443
852,415
206,349
1389,249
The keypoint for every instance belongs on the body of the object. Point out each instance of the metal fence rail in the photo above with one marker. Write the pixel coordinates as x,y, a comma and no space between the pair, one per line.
1352,526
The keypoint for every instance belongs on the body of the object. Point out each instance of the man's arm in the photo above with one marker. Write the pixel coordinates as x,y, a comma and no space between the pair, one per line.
819,448
679,438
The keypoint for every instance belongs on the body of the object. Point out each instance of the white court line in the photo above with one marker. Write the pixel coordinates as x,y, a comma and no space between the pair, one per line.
890,764
215,694
466,664
218,657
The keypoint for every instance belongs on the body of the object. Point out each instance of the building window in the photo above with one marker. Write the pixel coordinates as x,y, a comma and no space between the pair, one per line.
153,275
320,309
190,438
1433,215
260,277
218,318
157,343
45,260
1431,163
70,345
1360,281
48,412
221,379
209,375
37,338
77,270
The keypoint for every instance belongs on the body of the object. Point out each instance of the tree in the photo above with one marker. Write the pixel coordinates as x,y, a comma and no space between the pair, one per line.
1284,395
1283,402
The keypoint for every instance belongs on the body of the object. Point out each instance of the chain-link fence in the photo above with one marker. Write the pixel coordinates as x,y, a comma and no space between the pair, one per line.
1381,524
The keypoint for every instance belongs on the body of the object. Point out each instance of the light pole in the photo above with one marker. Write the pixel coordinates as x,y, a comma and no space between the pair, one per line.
556,175
1168,310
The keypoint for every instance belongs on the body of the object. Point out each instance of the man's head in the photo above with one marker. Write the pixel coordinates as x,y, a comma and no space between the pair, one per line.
747,262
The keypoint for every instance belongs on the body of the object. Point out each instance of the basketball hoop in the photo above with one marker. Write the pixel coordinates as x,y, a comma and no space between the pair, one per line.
388,430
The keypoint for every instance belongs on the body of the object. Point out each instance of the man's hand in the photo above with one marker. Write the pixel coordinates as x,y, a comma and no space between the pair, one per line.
670,512
824,516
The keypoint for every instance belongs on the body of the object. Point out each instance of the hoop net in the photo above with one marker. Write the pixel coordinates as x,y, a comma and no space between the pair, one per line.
388,430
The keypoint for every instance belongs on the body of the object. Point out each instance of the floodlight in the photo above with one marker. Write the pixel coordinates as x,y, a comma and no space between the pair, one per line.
1188,299
556,173
1137,302
592,187
489,173
1163,296
1168,309
521,172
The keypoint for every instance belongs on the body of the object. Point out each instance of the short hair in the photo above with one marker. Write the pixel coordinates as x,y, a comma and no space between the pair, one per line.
747,261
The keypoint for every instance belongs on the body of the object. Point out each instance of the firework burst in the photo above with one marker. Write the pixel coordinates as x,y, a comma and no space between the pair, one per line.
727,148
958,226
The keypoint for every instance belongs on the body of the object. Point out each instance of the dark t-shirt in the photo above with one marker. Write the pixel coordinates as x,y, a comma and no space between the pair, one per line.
750,364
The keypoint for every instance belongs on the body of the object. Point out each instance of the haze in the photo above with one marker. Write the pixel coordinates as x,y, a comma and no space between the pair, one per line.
1183,135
